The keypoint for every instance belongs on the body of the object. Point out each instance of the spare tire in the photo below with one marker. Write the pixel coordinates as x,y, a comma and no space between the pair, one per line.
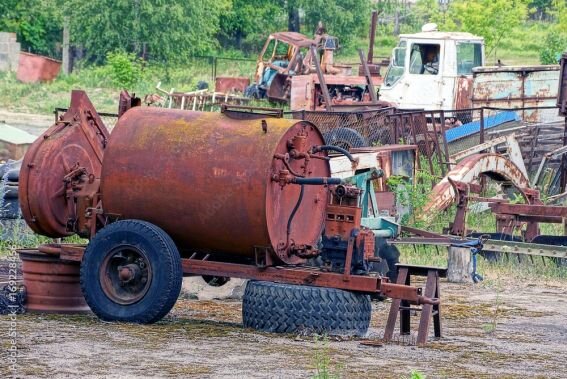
287,308
9,191
346,138
10,209
13,175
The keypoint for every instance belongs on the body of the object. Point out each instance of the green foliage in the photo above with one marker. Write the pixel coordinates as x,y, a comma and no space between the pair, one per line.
123,68
414,374
166,30
345,19
491,19
37,23
413,195
556,40
248,22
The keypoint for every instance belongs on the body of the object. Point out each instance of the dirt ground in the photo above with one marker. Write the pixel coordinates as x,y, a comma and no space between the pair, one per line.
507,332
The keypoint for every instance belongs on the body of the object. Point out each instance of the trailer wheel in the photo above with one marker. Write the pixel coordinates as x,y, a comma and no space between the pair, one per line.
131,271
286,308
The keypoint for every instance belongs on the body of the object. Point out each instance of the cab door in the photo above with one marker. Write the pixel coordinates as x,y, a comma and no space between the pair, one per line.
422,83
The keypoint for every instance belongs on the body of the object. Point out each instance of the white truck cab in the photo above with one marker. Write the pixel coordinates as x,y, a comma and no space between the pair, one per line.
432,69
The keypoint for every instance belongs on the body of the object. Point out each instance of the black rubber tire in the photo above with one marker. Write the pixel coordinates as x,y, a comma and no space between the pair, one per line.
10,209
162,255
389,254
10,190
13,175
346,138
286,308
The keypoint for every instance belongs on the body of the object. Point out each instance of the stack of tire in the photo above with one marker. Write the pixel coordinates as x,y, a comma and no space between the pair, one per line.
9,178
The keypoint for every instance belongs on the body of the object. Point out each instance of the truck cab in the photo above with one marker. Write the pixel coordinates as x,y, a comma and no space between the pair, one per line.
432,69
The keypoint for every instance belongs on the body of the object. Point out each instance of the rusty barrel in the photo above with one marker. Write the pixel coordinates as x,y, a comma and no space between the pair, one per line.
210,180
52,285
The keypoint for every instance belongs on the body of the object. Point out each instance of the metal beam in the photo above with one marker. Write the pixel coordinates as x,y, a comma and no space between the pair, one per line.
529,210
525,248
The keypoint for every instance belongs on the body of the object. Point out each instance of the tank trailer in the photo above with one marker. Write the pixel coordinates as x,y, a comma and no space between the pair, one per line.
171,193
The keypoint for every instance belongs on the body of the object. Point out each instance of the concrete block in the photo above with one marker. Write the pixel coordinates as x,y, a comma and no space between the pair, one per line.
5,63
7,37
14,48
4,47
15,61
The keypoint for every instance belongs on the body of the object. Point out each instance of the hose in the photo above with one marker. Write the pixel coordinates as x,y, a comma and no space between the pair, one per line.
292,215
337,149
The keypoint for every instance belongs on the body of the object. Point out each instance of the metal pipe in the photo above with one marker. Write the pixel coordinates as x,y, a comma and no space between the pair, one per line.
316,181
372,36
386,233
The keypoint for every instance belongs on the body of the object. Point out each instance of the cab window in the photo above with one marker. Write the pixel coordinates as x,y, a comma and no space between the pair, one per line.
469,56
424,59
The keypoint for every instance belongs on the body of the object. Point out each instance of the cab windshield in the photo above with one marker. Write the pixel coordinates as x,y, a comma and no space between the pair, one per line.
397,65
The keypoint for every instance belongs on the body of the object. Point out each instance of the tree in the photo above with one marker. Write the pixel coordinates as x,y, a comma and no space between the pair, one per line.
168,30
37,23
556,39
250,21
490,19
344,19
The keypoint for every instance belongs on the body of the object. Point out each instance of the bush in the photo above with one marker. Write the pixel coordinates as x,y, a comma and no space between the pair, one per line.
124,69
555,44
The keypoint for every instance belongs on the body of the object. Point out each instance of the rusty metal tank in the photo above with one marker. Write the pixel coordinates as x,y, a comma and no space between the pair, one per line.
211,181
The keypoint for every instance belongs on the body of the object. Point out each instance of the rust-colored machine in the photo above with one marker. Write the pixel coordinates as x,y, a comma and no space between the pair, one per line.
172,193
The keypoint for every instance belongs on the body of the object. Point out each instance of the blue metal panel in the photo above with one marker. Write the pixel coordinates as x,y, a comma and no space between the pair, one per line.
474,127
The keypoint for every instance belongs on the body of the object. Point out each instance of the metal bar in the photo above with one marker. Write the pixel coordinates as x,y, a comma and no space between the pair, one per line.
525,248
438,330
442,161
439,241
322,83
529,210
372,36
481,125
394,308
371,89
426,309
563,166
292,275
478,148
444,139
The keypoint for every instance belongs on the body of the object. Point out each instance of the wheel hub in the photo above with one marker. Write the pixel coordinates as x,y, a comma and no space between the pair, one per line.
125,275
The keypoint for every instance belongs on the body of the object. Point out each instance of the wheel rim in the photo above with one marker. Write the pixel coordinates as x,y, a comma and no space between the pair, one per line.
125,274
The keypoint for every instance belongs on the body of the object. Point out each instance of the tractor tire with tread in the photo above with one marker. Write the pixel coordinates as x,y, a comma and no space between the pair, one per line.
286,308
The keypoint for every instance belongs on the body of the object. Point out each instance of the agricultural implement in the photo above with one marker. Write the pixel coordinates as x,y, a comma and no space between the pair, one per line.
172,193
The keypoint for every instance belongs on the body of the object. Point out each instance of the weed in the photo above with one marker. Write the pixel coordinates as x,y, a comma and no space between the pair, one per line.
325,368
414,374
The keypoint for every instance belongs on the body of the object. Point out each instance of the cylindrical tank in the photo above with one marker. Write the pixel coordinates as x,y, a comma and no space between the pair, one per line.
209,180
